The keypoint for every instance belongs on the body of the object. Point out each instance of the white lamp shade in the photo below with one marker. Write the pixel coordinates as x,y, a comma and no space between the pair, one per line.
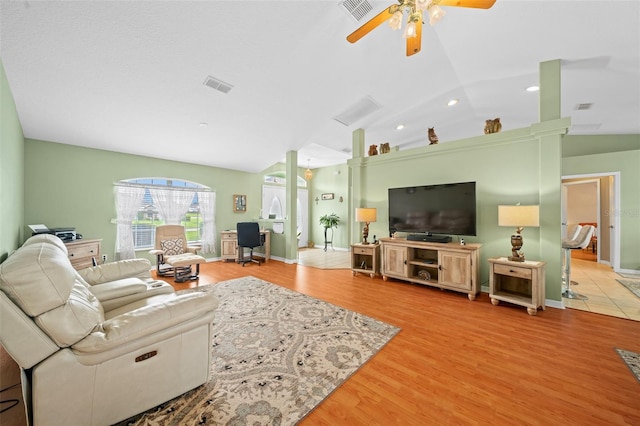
519,216
365,214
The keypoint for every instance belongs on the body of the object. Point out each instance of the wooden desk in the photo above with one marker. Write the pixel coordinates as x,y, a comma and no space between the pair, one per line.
231,251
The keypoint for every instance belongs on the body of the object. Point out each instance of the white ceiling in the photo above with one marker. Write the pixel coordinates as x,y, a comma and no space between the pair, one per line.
128,76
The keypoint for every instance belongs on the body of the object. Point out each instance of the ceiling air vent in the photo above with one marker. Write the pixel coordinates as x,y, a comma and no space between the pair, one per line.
363,107
358,9
219,85
581,107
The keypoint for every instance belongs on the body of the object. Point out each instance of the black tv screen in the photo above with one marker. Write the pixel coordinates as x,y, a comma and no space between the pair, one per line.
448,209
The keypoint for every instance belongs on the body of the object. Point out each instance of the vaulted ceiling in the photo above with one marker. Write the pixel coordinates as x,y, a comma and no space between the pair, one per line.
130,76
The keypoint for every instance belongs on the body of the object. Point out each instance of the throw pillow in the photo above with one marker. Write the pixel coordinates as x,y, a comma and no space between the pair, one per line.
172,247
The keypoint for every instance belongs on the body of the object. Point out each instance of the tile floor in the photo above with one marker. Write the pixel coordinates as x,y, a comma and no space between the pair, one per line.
330,259
606,295
596,281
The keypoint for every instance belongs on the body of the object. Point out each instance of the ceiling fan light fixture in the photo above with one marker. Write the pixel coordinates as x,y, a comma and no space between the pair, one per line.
423,5
410,30
435,14
395,22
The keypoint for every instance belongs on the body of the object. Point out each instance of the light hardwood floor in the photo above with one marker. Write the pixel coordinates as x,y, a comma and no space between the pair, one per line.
462,362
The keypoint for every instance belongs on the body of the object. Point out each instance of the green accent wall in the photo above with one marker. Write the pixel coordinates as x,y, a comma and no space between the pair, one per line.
515,166
11,172
330,180
68,185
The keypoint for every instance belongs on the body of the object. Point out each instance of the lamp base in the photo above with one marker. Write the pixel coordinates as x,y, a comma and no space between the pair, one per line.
365,233
516,245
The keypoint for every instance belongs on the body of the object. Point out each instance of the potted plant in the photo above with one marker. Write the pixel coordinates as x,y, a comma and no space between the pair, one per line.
329,221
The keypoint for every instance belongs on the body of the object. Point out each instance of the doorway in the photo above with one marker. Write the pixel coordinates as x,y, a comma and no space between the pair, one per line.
593,199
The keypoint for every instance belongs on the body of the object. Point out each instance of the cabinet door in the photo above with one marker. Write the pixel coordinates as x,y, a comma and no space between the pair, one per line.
229,248
455,269
395,260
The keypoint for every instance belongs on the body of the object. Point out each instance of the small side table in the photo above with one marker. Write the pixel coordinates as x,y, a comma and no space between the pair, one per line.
365,258
520,283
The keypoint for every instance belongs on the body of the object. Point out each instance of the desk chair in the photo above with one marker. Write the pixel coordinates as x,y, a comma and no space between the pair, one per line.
581,241
173,257
248,237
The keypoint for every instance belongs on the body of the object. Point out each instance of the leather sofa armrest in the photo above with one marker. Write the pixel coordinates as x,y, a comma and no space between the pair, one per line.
156,252
119,288
139,268
145,321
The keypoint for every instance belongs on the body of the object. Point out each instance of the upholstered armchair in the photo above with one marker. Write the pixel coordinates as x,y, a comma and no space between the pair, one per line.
173,256
86,364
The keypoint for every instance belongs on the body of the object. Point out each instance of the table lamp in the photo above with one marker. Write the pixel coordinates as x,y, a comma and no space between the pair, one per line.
518,216
366,215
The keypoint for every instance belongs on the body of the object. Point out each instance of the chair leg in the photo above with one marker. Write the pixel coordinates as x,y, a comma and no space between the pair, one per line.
244,260
567,292
184,274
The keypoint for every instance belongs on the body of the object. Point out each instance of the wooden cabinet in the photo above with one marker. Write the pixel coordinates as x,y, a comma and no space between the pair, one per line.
365,259
84,253
446,265
229,245
520,283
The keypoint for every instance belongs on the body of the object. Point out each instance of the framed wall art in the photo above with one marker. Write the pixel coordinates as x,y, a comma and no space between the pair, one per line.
239,203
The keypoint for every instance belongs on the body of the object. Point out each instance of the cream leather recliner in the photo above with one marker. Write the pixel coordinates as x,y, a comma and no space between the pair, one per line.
84,364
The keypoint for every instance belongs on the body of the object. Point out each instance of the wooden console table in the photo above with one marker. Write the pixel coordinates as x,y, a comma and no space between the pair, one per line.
445,265
231,251
520,283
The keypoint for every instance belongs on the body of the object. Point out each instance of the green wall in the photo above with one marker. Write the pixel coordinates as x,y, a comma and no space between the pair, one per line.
11,172
508,167
73,186
330,180
587,155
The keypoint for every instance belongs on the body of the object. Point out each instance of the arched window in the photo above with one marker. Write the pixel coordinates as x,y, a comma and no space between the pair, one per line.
144,203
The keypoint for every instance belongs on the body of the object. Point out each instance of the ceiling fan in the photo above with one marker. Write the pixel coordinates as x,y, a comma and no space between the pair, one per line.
414,10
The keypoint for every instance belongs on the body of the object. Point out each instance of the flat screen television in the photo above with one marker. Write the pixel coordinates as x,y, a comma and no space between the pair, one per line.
447,209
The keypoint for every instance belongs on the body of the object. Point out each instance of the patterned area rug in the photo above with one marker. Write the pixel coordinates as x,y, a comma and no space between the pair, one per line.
276,355
632,285
632,360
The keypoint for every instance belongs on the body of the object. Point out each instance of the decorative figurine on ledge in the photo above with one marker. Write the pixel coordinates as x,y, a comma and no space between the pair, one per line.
492,126
385,148
433,138
373,150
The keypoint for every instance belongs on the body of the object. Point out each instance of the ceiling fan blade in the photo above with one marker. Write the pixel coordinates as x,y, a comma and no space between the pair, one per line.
478,4
414,43
367,27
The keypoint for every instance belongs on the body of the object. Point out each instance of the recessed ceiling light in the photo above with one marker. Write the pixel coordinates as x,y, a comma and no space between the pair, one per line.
452,102
400,127
533,89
